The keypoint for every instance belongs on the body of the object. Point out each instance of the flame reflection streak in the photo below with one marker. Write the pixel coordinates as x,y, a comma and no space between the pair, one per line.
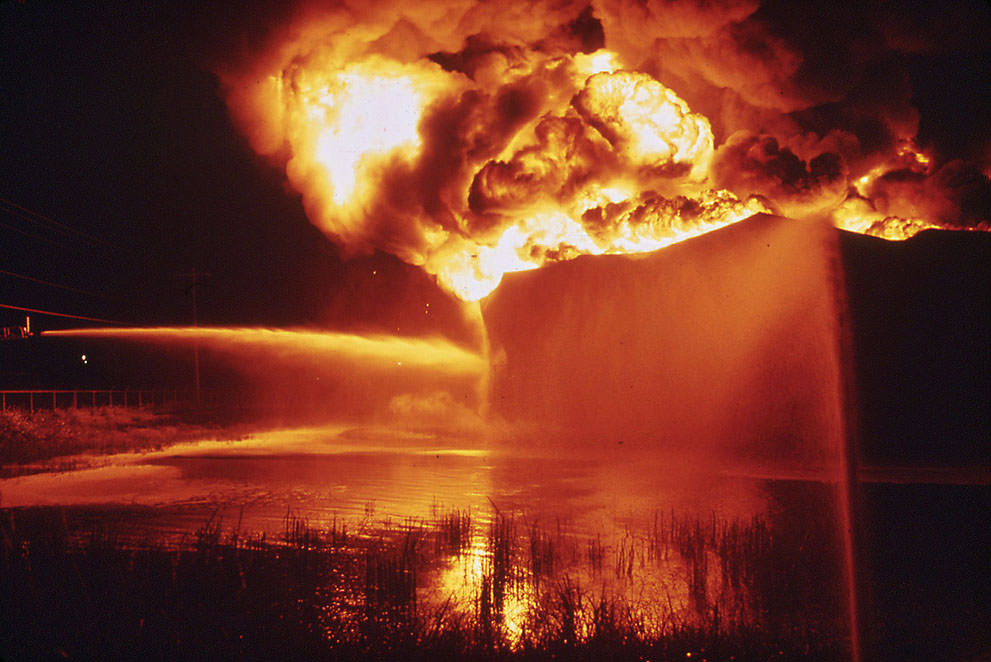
538,583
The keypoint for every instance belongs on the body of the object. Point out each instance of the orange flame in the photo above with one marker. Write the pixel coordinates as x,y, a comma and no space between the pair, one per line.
504,156
346,127
858,214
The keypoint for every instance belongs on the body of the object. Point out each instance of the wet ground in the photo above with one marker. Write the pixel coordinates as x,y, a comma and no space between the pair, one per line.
679,540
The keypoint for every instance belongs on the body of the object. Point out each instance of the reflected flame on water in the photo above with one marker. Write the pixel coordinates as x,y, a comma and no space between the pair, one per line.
467,582
502,571
678,573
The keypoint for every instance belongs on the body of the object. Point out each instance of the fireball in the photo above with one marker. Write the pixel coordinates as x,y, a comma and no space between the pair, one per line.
474,142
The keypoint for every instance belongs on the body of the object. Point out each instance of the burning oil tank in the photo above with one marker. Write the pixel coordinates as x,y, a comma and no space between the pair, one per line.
768,340
728,343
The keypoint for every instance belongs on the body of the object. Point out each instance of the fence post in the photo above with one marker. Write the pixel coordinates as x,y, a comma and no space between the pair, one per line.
31,401
54,405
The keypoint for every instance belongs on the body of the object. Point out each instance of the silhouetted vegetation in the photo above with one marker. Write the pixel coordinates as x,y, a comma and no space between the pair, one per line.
361,594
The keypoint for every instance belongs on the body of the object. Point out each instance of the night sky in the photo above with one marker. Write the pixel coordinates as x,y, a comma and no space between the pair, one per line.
120,169
114,131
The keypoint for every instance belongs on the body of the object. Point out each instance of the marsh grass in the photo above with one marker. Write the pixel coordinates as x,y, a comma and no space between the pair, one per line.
330,593
454,534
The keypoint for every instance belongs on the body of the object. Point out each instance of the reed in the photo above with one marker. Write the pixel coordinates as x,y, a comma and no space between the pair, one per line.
326,593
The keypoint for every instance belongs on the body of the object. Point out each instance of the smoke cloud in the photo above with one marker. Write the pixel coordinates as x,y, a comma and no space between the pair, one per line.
475,138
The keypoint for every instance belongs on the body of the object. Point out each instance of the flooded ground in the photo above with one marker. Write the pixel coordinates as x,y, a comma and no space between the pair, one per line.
498,531
322,473
501,527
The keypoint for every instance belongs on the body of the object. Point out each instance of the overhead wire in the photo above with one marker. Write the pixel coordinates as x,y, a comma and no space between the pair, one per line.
59,237
54,314
40,219
81,248
52,284
31,235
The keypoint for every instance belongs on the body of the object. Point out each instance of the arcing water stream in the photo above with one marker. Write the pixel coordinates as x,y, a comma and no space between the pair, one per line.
681,373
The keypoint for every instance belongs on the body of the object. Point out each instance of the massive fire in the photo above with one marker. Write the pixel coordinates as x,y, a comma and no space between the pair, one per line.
501,144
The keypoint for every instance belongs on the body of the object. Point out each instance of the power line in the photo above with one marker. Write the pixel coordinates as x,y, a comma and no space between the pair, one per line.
40,219
74,245
51,284
53,314
31,235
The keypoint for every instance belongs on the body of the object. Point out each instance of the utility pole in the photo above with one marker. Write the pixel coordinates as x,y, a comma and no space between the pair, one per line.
194,277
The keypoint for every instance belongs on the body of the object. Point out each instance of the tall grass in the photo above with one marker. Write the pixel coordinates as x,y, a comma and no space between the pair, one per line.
329,593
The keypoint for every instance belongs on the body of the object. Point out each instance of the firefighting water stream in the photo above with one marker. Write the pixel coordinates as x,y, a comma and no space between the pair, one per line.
700,383
648,411
657,399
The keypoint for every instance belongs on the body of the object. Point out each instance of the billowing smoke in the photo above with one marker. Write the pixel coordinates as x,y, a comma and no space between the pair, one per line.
475,138
758,164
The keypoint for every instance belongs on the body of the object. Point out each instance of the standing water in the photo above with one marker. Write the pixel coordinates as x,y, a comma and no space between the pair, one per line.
664,454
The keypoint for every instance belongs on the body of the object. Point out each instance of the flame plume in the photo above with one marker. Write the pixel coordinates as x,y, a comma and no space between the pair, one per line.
474,142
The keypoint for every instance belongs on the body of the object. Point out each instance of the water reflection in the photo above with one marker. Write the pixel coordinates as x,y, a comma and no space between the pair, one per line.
530,543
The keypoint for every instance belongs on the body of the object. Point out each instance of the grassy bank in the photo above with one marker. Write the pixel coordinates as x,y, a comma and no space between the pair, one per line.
28,440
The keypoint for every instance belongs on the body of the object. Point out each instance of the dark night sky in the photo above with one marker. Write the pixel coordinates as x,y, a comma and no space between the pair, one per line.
112,124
